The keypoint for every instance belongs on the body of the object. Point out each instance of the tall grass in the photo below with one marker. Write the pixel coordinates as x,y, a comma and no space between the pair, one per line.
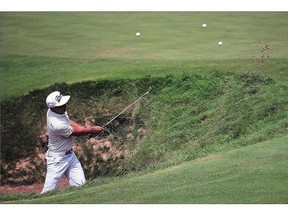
198,115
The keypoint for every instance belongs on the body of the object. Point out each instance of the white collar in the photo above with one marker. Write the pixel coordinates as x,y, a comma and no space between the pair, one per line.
56,114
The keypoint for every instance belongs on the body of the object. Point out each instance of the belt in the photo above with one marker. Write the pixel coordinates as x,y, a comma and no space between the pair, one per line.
69,152
62,153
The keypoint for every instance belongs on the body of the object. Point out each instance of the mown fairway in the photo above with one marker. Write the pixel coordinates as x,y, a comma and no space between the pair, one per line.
39,49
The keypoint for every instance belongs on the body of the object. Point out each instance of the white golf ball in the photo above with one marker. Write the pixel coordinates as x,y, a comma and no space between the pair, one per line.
204,25
220,43
138,34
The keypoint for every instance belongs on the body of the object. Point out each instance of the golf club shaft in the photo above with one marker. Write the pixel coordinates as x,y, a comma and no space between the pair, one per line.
127,107
149,89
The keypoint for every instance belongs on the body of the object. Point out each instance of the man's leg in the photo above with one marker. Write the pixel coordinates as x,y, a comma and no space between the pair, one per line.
55,172
74,173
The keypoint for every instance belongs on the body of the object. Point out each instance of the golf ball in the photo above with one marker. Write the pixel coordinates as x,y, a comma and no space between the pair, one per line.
204,25
138,34
220,43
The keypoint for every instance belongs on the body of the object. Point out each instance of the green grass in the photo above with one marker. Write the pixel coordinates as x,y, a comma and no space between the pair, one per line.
253,174
164,35
72,47
207,101
184,117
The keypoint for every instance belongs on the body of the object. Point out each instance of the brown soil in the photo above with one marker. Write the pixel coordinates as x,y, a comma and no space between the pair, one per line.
36,188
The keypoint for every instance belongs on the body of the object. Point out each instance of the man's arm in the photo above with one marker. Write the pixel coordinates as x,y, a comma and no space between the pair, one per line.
79,130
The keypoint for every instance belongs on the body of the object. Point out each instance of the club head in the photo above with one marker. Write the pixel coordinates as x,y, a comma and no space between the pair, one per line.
149,89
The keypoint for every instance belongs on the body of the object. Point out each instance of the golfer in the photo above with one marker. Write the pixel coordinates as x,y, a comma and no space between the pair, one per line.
60,157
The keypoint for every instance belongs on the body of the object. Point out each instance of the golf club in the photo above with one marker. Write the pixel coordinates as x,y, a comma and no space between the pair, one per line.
149,89
126,108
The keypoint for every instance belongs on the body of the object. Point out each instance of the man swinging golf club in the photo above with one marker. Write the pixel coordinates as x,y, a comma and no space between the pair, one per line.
60,157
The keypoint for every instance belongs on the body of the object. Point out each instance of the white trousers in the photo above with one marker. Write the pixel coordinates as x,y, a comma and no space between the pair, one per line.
58,165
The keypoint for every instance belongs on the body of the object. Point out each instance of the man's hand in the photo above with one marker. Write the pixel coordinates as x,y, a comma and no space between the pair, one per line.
96,129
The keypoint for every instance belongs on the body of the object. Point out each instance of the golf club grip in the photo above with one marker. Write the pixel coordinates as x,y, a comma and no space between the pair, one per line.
90,135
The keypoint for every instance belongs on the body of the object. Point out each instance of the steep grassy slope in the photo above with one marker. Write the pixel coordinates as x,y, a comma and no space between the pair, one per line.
183,118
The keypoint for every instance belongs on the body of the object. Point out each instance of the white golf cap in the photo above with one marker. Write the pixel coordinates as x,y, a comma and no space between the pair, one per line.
55,99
